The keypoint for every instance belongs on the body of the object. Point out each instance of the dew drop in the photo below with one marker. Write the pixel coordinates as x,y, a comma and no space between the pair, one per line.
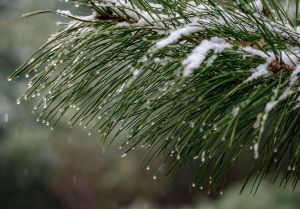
124,155
193,185
178,157
192,124
203,156
154,177
256,124
148,167
255,147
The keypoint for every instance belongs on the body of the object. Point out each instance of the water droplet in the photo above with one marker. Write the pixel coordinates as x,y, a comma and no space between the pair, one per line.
18,101
192,124
124,155
178,157
201,187
193,185
148,167
256,124
9,79
89,134
203,156
221,192
47,123
154,177
255,147
258,121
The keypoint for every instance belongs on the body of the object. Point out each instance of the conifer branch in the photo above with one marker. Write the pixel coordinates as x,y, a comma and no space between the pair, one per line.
196,81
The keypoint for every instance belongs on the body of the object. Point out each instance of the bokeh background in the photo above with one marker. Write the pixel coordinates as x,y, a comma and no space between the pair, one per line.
67,169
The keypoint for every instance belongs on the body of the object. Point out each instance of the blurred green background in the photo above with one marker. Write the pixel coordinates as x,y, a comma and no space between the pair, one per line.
67,169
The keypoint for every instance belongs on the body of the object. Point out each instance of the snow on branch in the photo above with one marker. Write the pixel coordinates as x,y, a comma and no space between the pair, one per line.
197,57
125,9
177,34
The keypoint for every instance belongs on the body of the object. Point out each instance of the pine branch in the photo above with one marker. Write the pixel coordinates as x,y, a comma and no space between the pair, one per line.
198,81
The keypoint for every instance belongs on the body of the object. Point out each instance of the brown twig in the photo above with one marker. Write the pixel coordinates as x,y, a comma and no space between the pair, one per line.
280,66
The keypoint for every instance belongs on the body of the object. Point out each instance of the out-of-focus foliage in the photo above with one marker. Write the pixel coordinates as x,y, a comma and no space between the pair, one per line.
267,197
